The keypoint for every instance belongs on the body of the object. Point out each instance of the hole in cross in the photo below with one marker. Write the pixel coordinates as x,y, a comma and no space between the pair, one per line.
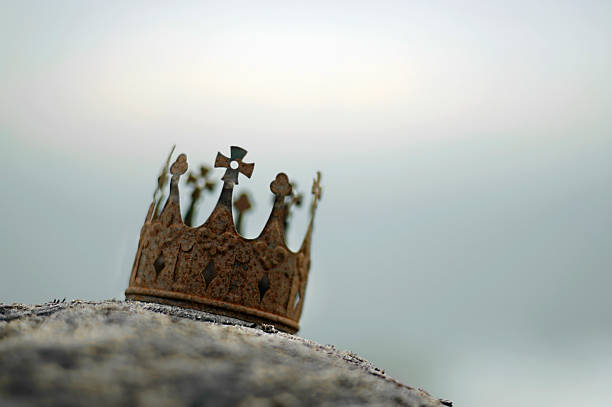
234,165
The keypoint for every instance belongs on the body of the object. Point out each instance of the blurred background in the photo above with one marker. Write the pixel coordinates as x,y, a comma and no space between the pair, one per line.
463,242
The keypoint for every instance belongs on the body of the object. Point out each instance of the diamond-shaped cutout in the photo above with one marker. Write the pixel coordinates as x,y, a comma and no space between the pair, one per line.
296,302
209,273
159,264
264,285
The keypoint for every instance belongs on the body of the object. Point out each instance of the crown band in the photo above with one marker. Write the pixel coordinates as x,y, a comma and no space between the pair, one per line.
214,306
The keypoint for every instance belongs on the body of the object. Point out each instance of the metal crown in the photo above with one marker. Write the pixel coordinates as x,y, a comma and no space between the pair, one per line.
212,267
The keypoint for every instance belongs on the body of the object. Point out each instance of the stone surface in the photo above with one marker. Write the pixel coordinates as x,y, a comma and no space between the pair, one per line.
139,354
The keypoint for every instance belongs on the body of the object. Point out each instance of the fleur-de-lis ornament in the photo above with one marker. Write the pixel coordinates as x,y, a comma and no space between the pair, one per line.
200,182
162,180
317,191
242,205
294,200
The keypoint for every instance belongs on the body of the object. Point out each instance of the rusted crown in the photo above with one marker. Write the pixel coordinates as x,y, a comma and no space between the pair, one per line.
212,267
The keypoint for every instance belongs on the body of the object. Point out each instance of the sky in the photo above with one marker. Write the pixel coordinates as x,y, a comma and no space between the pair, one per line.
463,239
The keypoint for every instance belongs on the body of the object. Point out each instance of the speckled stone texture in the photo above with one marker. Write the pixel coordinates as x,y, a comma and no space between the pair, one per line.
117,353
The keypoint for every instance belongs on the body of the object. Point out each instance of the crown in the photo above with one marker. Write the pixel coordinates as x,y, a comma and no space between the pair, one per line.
212,267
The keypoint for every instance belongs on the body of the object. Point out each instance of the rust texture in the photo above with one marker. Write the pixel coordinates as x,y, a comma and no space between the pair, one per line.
212,267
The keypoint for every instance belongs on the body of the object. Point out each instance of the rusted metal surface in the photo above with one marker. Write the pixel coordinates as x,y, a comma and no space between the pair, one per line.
212,267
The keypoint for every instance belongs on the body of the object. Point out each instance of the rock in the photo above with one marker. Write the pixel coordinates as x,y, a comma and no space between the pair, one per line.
140,354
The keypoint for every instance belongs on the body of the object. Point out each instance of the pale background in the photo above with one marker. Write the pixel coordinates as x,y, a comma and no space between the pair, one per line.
463,242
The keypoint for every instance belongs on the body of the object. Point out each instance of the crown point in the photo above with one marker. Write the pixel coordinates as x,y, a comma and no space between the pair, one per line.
243,204
180,165
234,165
281,186
317,191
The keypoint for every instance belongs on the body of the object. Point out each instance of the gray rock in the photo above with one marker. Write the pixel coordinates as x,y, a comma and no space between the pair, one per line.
139,354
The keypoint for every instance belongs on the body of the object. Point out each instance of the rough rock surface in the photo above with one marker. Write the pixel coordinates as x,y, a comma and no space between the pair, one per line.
138,354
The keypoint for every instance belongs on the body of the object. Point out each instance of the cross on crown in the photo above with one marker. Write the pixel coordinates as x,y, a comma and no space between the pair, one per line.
317,191
234,165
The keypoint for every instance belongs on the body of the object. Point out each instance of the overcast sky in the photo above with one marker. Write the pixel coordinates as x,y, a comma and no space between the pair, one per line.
463,242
